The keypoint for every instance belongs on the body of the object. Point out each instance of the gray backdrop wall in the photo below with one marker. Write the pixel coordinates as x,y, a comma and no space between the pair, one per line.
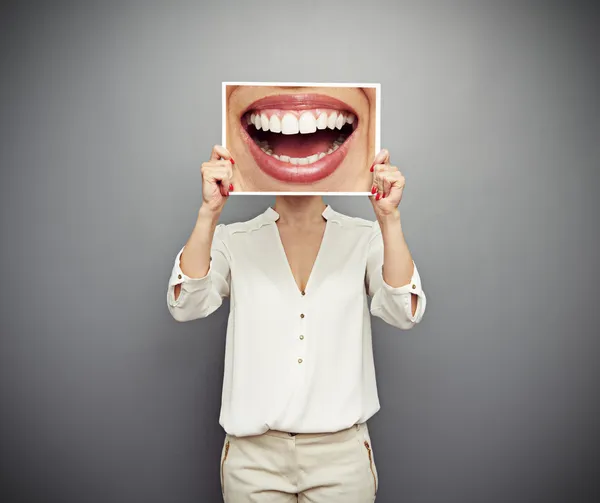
107,111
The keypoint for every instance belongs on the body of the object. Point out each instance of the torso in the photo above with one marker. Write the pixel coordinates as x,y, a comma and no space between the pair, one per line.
301,249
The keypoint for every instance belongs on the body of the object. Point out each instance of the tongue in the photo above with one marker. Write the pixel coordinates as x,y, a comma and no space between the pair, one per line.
301,145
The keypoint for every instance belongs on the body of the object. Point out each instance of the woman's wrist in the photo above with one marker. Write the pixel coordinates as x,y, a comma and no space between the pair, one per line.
389,221
205,213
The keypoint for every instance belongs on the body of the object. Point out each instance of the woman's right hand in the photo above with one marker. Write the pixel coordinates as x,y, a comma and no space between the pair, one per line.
216,179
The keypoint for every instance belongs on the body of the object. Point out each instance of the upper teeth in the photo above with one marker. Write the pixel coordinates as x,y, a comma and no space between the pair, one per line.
289,124
306,122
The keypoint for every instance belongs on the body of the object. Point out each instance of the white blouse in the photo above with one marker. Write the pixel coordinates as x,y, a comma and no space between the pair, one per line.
297,361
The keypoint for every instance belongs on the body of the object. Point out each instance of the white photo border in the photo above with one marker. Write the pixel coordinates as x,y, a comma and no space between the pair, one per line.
377,88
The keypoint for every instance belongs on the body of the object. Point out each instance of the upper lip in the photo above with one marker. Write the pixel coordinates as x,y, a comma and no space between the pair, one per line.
298,102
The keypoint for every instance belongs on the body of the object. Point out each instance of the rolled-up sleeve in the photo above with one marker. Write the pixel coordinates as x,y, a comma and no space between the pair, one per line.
200,297
392,304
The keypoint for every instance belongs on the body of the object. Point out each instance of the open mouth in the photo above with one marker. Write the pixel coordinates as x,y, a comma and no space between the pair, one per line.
299,138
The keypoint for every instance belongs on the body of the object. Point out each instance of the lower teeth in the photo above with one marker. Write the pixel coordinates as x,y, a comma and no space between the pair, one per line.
264,146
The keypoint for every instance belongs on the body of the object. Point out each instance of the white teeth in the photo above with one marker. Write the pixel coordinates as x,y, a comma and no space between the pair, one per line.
335,147
307,123
322,121
275,124
264,122
289,124
297,161
332,120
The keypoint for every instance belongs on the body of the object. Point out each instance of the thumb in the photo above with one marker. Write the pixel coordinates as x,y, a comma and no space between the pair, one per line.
382,157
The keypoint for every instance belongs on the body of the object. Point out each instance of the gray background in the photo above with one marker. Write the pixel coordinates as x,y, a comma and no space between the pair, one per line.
107,111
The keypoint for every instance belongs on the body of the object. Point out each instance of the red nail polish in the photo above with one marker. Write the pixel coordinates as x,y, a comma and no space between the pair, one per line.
231,160
383,195
373,190
230,187
371,170
378,196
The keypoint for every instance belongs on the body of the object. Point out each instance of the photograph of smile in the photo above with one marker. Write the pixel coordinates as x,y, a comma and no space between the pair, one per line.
301,138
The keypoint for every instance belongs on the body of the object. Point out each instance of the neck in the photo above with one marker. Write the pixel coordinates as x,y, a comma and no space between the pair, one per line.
299,210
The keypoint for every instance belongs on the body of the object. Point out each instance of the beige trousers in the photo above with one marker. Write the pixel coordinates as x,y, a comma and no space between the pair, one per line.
308,468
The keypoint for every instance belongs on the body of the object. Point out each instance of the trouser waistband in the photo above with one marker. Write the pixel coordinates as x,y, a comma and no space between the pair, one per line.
288,434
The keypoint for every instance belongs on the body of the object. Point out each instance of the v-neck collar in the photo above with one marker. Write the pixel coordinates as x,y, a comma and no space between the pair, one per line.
273,216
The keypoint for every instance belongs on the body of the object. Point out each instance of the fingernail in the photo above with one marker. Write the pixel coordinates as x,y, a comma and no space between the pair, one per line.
371,170
378,196
383,195
231,160
230,187
373,190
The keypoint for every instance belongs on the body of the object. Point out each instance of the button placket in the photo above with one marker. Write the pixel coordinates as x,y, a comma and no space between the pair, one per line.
301,344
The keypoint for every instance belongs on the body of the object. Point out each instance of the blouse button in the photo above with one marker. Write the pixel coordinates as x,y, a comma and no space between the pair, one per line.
414,287
301,337
179,276
302,315
299,360
303,292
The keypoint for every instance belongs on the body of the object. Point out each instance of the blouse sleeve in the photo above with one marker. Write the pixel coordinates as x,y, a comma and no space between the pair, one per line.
200,297
392,304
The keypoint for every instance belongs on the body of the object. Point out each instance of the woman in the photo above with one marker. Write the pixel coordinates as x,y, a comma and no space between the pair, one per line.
299,381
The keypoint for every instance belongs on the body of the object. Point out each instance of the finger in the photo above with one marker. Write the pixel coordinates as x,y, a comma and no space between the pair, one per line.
383,157
378,185
382,168
219,152
222,180
224,188
223,164
391,178
209,166
386,183
396,180
378,179
217,173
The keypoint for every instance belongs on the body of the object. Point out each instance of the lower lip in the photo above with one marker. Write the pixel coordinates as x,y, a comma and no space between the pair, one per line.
292,173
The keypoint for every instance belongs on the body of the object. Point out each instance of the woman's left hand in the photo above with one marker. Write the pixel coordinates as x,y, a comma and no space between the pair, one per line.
388,185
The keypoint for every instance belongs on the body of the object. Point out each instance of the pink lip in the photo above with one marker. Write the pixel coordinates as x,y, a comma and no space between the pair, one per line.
299,102
290,173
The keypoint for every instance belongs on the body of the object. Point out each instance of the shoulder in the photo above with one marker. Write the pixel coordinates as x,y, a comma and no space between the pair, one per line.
354,223
245,227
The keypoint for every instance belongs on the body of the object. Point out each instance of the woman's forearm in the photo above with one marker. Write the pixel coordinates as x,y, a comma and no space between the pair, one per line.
195,259
398,264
